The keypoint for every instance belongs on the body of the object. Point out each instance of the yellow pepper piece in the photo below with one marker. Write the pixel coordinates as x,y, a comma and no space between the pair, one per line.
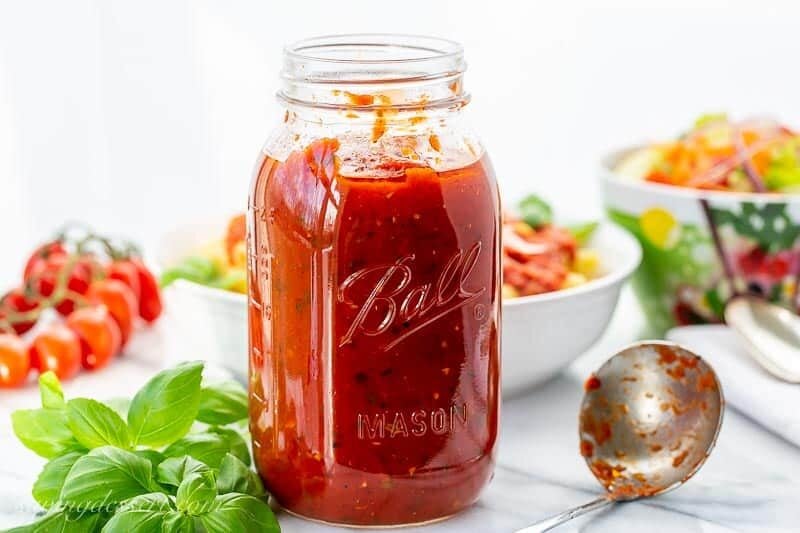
660,227
587,262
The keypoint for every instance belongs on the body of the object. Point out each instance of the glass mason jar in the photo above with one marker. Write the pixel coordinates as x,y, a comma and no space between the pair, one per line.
374,278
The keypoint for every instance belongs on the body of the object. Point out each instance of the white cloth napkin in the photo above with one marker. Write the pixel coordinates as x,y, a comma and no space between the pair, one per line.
767,400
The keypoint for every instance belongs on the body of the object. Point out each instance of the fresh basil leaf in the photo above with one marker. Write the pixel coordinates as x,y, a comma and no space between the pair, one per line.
535,211
235,476
44,431
65,521
156,501
583,232
208,448
177,523
94,424
165,408
106,477
196,493
239,513
222,403
47,487
149,513
120,405
155,458
174,470
236,443
50,391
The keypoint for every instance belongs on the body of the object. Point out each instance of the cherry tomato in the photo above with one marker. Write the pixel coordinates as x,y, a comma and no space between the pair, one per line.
41,255
120,301
150,301
127,273
16,302
45,276
57,348
14,361
99,334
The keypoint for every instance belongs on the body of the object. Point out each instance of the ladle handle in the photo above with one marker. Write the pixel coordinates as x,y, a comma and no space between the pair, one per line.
549,523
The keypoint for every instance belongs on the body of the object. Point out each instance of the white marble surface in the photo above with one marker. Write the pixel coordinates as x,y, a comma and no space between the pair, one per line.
750,482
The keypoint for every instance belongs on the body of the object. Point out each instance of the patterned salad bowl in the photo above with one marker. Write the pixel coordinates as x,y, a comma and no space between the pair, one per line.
700,247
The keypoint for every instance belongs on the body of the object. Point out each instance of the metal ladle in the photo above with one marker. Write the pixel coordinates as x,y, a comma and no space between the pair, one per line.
771,334
649,419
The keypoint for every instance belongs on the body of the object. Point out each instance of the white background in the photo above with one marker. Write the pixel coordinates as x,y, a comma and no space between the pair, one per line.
136,115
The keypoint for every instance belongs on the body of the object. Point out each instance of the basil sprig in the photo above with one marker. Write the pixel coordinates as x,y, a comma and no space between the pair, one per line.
535,211
166,407
174,459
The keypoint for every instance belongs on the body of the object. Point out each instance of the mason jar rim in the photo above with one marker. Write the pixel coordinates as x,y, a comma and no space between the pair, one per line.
369,58
370,71
319,48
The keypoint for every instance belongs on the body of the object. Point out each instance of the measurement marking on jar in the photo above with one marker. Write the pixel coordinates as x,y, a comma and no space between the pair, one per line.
264,258
257,357
418,423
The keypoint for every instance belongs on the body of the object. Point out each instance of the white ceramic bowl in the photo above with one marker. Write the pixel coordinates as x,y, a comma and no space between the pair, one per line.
541,334
544,333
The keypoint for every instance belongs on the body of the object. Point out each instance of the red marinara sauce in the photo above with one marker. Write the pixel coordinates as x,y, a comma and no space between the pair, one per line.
374,336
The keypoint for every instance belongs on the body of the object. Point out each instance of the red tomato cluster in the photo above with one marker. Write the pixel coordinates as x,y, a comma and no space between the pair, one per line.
101,297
